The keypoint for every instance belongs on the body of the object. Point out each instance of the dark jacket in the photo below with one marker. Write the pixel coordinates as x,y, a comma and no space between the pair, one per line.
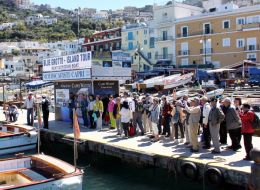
216,116
45,105
232,118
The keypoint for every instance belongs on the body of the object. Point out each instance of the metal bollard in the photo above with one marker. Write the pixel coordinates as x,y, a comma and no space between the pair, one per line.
254,182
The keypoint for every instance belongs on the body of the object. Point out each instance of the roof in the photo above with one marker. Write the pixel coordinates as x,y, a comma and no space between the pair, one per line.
248,9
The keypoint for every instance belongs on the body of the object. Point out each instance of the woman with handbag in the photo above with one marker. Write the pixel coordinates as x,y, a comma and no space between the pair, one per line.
98,109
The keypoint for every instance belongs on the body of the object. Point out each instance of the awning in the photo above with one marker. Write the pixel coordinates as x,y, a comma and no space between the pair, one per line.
219,70
38,84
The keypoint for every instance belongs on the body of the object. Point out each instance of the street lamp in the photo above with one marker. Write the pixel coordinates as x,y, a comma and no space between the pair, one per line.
204,42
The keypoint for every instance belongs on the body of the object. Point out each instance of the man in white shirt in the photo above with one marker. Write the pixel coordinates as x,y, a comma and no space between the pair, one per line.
205,115
29,105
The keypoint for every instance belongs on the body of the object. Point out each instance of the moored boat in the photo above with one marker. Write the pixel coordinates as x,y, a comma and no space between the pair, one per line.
17,138
39,172
214,93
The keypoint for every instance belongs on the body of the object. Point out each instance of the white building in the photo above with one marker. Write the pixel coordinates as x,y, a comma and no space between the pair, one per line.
8,25
164,29
101,15
40,19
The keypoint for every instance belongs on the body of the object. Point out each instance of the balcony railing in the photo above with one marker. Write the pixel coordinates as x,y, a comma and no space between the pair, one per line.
166,56
165,38
184,52
250,26
206,51
251,48
197,33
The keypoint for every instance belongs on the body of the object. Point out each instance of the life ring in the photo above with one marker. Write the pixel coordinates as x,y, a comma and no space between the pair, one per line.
214,176
190,170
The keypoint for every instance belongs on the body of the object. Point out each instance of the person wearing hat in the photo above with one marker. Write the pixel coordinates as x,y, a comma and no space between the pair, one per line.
233,123
45,111
29,104
193,126
216,116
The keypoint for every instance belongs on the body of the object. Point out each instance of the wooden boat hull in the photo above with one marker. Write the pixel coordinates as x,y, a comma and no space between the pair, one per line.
18,143
71,183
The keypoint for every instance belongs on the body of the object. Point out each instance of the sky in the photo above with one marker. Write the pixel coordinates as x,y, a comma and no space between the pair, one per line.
98,4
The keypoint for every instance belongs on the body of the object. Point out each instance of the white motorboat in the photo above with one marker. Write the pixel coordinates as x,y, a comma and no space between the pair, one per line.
17,138
39,172
214,93
177,81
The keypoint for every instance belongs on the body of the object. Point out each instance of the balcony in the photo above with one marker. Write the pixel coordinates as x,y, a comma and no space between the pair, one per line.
164,38
250,26
164,57
251,48
206,51
184,52
196,33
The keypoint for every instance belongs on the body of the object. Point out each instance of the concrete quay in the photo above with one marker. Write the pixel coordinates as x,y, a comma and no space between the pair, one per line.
140,150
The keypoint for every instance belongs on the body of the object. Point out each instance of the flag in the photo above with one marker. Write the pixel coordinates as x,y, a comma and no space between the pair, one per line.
39,115
2,63
76,126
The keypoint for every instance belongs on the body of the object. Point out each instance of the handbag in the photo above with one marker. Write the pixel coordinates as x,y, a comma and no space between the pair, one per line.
97,114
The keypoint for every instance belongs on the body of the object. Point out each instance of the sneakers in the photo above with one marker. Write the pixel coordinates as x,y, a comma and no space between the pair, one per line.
186,143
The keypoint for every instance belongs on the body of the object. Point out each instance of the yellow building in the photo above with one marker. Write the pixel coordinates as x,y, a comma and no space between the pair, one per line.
222,38
137,42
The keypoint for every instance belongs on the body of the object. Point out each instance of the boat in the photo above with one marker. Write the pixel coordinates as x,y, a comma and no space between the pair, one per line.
214,93
17,138
176,81
39,172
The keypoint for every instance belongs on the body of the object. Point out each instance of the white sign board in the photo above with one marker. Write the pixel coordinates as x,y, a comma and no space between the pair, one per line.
68,62
121,56
67,75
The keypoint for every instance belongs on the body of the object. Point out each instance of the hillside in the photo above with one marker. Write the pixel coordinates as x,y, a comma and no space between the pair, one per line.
65,29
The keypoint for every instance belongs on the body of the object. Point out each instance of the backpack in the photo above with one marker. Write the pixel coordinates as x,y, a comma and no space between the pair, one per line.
256,122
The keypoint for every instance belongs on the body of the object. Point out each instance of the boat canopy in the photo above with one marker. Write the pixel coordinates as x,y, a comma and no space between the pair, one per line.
219,70
37,84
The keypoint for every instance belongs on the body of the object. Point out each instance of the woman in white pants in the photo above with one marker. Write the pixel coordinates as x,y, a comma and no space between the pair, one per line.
154,117
99,109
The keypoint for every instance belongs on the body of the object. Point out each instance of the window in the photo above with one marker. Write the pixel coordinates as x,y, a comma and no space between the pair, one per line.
145,42
226,24
136,32
185,61
241,21
130,46
149,55
130,36
251,56
164,33
251,44
240,43
165,52
152,42
206,28
226,42
184,48
207,60
184,31
253,19
145,31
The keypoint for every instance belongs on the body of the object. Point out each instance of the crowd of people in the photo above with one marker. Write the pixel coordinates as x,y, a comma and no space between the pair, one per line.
181,120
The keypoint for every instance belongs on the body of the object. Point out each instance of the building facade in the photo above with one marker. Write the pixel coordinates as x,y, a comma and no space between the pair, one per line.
136,41
222,38
106,40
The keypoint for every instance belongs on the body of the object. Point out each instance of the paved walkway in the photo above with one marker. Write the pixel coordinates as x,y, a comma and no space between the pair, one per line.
166,147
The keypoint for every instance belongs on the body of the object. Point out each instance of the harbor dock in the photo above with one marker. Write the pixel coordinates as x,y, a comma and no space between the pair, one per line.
140,150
